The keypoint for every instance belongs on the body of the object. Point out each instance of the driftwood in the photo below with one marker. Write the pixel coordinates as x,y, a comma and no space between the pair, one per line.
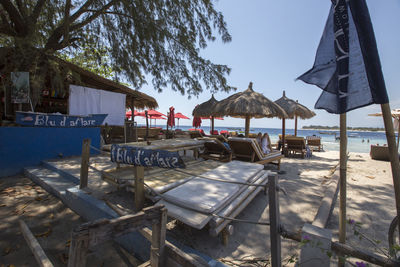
37,250
88,235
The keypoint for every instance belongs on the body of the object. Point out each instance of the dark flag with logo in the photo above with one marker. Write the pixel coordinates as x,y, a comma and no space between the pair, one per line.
347,66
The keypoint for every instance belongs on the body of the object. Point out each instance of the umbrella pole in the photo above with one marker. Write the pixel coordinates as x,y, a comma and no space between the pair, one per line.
295,125
147,125
247,129
212,124
283,135
398,133
393,154
178,122
342,181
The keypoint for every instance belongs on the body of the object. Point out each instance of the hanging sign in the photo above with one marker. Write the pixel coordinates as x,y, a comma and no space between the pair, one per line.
139,156
58,120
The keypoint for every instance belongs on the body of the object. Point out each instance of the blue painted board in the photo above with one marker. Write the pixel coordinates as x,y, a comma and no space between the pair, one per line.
58,120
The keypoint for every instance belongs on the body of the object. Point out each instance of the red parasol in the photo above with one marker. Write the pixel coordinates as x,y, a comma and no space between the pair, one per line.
196,122
210,118
171,117
135,113
180,116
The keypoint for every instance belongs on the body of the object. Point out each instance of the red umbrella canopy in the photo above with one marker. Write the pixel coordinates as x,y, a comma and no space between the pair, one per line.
196,122
171,117
153,112
181,116
135,113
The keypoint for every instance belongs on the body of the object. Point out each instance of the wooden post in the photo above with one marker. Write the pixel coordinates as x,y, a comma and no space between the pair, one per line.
398,133
247,129
139,187
34,245
295,125
283,134
212,124
342,181
147,126
158,240
394,158
274,221
85,163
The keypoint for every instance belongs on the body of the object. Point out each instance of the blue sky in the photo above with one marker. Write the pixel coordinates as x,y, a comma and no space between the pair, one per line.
273,42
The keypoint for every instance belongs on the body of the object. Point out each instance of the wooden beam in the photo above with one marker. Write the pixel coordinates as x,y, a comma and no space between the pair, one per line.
34,245
158,240
274,221
247,129
85,163
342,182
139,187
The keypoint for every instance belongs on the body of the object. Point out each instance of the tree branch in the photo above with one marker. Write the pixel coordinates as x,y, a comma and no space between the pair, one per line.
81,10
21,8
93,17
36,11
66,22
14,16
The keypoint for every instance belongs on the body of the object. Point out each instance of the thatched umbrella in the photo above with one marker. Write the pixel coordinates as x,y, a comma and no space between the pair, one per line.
204,110
248,104
293,109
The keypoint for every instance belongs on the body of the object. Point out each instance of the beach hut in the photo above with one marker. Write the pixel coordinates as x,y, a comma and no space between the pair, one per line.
248,104
293,109
205,110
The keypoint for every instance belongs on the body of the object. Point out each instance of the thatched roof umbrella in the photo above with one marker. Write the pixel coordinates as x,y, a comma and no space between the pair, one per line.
293,109
205,110
248,104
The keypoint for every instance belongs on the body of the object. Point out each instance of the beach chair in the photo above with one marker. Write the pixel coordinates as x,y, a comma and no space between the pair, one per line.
247,149
314,142
216,150
294,145
379,152
195,134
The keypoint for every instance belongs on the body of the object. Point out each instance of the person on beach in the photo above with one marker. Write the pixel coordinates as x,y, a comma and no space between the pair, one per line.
258,138
266,144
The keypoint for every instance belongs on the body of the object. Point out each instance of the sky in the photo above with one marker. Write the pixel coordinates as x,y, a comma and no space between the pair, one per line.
274,42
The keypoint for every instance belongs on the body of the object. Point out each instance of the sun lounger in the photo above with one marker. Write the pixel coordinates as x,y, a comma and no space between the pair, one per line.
294,145
195,134
314,142
379,152
247,149
215,149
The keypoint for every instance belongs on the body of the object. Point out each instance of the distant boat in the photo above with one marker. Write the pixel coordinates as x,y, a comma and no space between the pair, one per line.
331,133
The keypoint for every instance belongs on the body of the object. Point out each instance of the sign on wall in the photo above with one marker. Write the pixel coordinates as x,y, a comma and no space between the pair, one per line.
139,156
58,120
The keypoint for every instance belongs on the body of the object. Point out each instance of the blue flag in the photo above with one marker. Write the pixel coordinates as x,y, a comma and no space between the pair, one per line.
347,66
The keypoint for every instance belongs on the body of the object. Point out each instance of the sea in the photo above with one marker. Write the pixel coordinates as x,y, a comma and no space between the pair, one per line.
357,141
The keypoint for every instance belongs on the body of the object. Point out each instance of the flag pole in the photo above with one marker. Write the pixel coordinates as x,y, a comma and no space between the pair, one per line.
393,154
342,182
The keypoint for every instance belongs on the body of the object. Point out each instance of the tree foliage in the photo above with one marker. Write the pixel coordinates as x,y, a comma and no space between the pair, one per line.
161,39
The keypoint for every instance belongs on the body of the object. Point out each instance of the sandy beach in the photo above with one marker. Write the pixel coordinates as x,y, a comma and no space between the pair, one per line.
370,201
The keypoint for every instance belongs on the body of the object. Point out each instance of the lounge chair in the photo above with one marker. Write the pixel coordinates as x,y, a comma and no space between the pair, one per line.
314,142
379,152
294,145
195,134
247,149
215,149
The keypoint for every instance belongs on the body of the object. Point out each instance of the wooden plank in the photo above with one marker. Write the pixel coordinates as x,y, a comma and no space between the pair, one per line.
274,221
78,249
85,163
158,240
139,187
34,245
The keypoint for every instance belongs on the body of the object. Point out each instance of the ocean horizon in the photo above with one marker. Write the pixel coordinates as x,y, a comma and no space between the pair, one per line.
357,141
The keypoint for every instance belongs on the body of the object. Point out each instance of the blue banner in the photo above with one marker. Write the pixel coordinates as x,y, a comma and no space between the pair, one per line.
139,156
58,120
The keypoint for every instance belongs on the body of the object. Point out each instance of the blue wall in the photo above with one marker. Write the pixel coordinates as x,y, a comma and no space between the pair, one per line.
27,146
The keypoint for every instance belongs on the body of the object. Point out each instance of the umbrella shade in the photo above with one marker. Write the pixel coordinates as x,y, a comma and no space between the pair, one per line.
248,104
171,117
135,113
181,116
396,116
210,118
196,122
293,109
153,112
205,109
